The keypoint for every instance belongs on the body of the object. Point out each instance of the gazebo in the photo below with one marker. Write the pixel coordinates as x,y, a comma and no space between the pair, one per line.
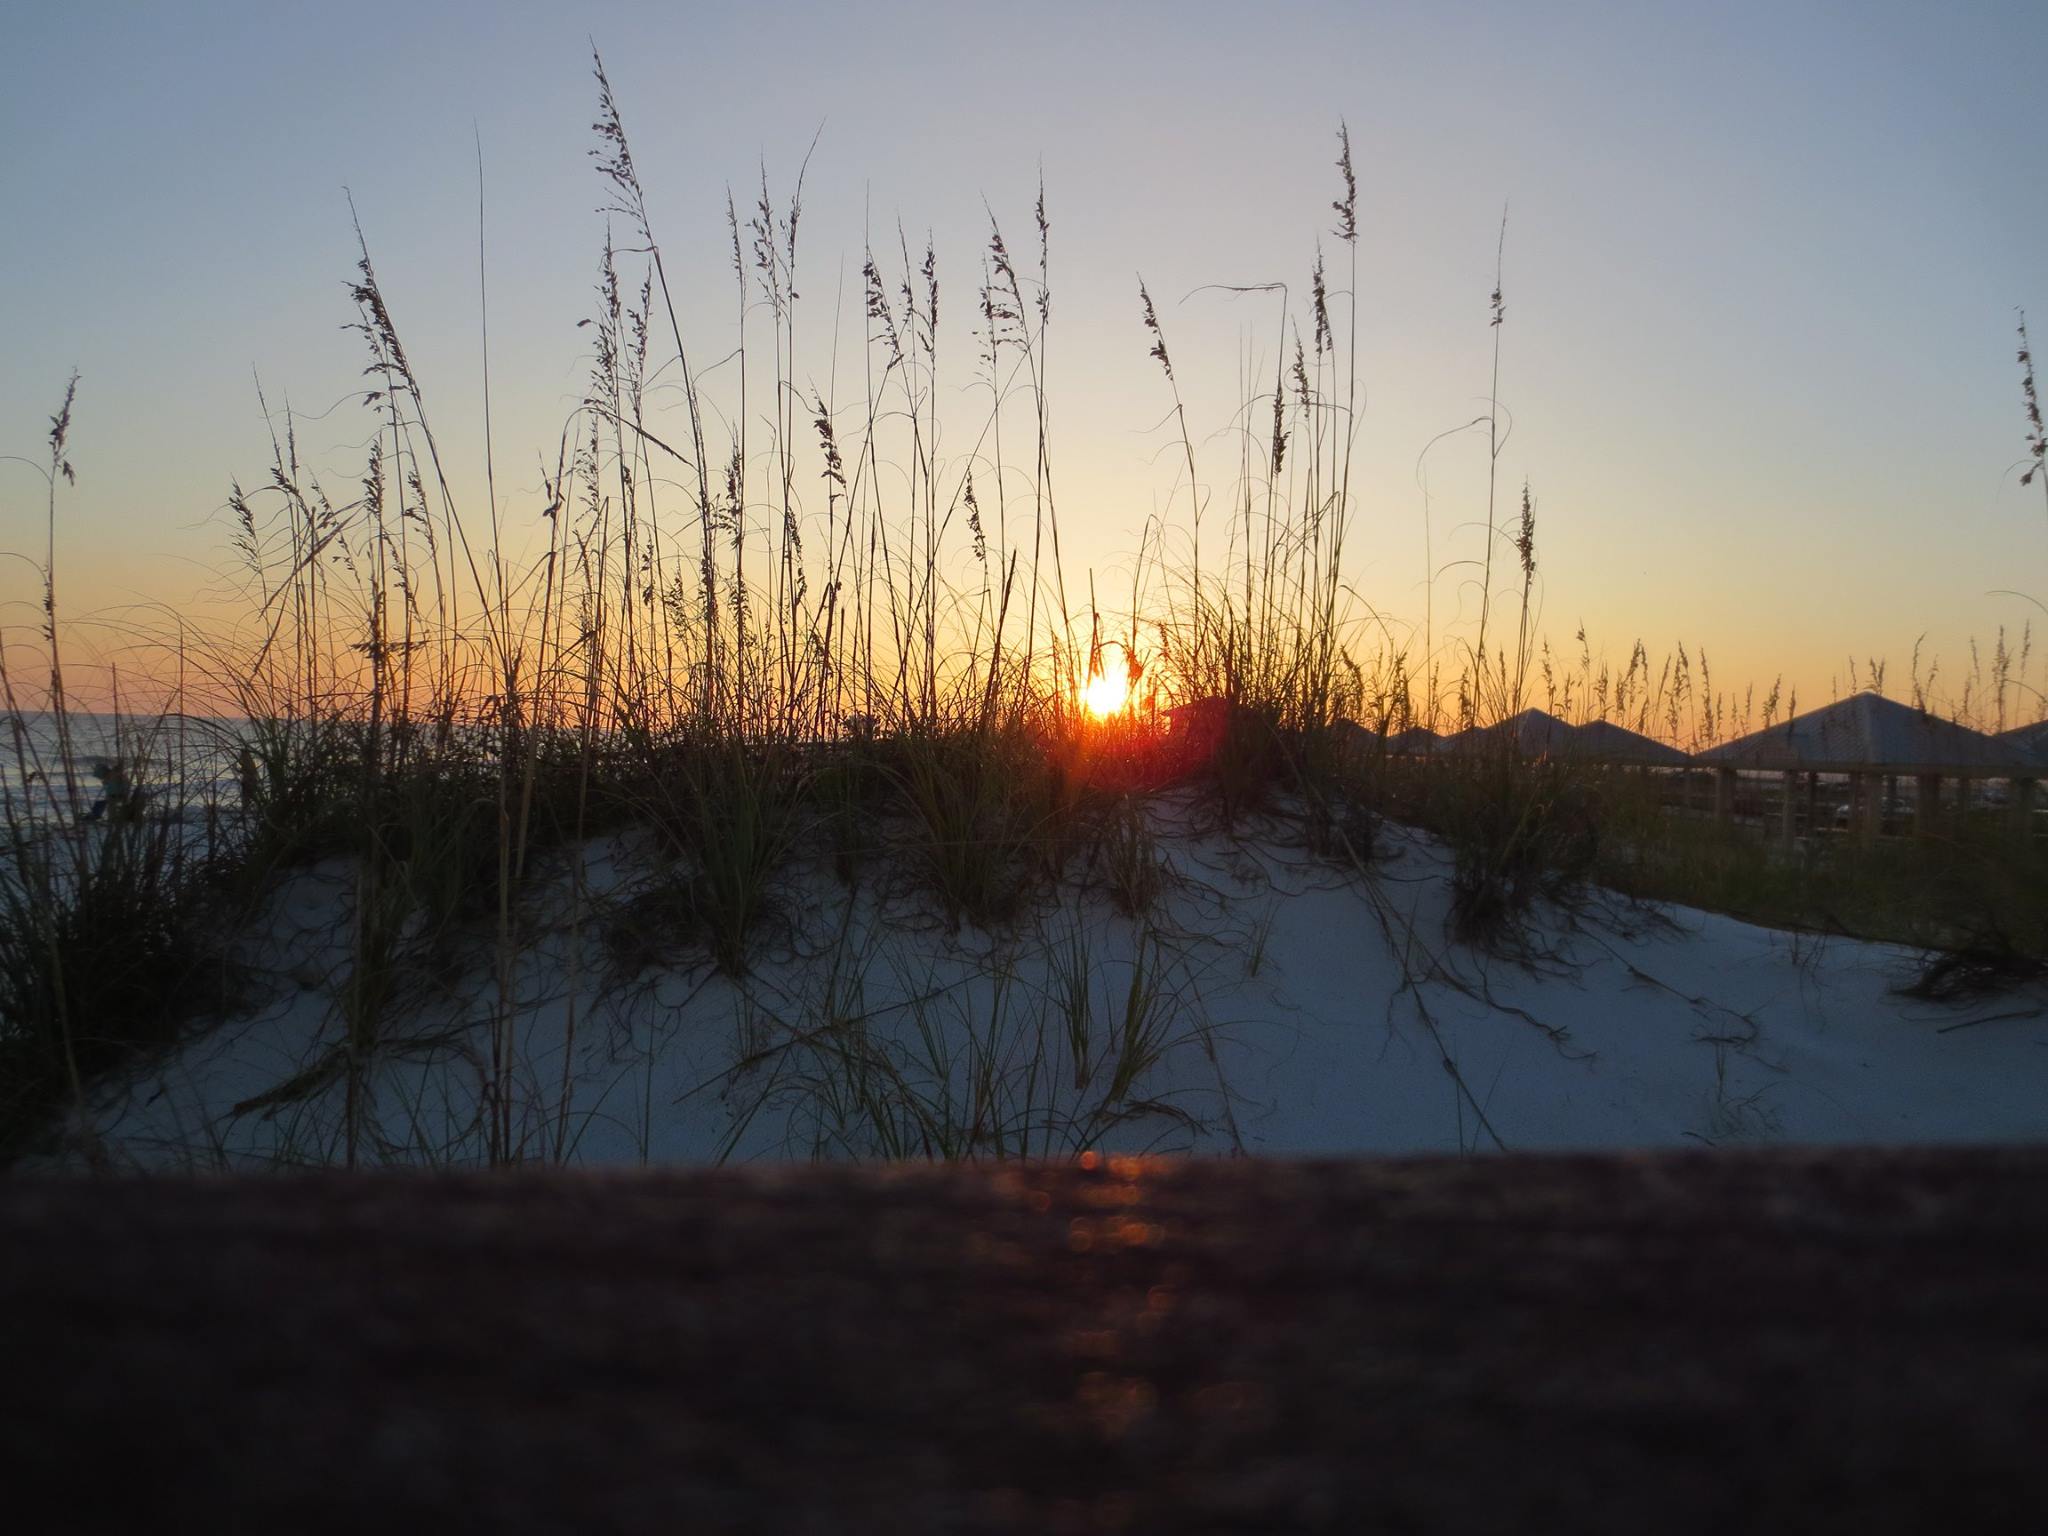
2032,741
1365,741
1416,741
1871,739
1602,741
1537,733
1532,733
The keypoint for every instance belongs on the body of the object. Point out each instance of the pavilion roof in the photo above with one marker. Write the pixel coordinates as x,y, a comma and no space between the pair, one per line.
1416,741
2032,740
1604,741
1867,732
1533,733
1537,733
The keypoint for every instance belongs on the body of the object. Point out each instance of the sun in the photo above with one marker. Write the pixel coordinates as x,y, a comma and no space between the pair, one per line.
1107,694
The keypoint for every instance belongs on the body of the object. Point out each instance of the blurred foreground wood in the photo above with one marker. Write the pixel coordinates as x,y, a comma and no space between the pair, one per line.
1786,1340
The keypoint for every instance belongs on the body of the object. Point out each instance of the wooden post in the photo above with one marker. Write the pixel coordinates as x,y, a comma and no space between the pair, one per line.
2023,808
1866,804
1813,805
1927,805
1789,811
1724,794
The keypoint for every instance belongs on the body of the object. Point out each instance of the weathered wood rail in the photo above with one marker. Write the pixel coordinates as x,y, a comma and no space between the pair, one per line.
1785,1340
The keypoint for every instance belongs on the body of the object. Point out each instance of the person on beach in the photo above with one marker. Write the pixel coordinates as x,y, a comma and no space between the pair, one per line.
119,799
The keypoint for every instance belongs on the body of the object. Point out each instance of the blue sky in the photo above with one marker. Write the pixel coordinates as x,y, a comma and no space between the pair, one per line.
1761,269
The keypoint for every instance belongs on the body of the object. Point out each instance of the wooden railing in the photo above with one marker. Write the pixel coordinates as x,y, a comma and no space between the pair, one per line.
1710,1342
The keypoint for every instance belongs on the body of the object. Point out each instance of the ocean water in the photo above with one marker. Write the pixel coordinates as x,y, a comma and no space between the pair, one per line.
182,767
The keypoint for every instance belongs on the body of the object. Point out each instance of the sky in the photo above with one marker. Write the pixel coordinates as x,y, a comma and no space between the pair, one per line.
1761,270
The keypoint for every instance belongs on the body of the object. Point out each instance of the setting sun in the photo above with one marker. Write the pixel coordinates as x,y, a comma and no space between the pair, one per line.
1107,694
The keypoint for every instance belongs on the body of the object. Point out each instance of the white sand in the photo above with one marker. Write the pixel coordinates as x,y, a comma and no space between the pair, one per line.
1299,1009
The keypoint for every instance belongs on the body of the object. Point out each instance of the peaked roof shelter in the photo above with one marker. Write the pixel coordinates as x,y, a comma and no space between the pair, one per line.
1867,733
2031,739
1537,733
1602,741
1533,733
1416,741
1365,741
